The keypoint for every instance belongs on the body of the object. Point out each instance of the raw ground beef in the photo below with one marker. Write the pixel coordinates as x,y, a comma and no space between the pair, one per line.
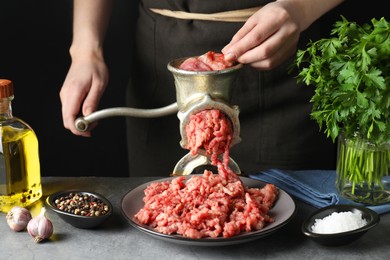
206,62
207,205
212,131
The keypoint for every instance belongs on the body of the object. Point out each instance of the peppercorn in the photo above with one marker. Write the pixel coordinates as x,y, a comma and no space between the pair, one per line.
82,204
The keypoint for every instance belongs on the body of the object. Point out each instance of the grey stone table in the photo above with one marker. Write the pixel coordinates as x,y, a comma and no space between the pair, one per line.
116,239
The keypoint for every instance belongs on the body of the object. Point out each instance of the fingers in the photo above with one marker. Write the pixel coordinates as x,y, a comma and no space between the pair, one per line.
277,58
81,93
248,37
273,51
269,37
71,99
92,100
231,54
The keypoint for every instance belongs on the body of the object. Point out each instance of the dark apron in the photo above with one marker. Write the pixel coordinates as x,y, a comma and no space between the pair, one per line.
276,128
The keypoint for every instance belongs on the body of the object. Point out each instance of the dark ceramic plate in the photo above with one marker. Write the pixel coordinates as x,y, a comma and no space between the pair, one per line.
282,212
77,220
342,238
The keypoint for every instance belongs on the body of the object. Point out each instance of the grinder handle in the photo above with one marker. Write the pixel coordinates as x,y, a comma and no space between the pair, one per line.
82,123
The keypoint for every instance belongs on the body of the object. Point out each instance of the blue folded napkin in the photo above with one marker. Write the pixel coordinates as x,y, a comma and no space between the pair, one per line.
315,187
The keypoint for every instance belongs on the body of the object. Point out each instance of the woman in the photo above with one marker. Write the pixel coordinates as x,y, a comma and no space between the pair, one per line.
276,129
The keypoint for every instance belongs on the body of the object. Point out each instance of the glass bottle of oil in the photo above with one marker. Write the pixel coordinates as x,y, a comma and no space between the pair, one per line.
20,176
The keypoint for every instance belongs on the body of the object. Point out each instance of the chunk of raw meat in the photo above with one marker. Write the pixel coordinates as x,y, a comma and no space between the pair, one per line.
207,62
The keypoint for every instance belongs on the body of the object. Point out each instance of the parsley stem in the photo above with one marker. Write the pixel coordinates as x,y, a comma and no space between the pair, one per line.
361,165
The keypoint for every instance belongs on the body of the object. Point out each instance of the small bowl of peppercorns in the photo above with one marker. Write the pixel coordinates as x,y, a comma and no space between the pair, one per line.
81,209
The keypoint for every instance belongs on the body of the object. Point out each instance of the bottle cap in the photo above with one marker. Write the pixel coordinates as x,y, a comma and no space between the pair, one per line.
6,88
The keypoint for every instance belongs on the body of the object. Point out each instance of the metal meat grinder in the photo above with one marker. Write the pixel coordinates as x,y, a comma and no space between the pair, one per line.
195,91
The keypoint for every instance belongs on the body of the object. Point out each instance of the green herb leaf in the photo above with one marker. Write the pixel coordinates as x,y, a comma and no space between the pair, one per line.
351,74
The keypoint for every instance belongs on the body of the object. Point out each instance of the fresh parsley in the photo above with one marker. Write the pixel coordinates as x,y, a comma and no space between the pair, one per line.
351,75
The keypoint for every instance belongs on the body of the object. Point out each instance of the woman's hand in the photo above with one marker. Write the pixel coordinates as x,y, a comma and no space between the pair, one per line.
87,77
82,90
271,35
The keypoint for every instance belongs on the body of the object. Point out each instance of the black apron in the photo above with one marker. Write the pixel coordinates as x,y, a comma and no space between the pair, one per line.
276,128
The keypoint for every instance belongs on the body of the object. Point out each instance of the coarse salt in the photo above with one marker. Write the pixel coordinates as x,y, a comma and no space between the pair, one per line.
339,222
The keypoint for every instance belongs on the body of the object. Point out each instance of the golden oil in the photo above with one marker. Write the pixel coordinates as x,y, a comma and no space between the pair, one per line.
20,177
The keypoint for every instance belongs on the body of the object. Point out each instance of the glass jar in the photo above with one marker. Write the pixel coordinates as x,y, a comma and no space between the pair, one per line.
362,173
20,176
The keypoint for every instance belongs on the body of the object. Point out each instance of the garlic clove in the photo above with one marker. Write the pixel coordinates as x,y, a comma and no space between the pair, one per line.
18,218
40,227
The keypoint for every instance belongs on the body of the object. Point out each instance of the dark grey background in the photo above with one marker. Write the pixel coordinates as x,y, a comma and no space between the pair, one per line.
34,43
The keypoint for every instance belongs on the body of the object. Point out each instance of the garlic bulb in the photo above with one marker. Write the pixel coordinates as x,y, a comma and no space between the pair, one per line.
40,227
18,218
